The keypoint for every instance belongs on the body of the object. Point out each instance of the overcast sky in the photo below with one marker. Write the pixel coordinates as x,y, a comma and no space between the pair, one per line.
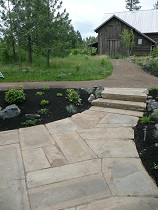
86,15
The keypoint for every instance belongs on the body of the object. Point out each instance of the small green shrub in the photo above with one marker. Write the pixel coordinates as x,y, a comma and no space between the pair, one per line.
45,88
154,53
13,96
28,123
73,96
43,111
44,102
71,109
155,114
156,134
145,120
155,166
59,94
153,89
40,93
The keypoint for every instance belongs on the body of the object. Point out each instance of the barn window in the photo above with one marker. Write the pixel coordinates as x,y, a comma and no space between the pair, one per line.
140,41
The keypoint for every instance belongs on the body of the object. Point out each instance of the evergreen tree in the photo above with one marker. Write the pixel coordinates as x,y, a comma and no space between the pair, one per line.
132,5
156,5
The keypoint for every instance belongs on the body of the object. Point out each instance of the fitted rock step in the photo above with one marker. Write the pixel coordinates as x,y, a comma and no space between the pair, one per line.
118,104
125,94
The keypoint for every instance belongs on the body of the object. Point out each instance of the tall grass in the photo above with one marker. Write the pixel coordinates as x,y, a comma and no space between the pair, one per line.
71,68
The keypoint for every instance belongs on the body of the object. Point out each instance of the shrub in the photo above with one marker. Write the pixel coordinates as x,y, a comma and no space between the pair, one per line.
73,96
13,96
43,111
45,88
28,123
59,94
40,93
145,120
154,53
71,109
153,89
44,102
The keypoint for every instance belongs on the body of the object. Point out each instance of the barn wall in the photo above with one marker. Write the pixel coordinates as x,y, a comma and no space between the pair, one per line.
153,36
109,35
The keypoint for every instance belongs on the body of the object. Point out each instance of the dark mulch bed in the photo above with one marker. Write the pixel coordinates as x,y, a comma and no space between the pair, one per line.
57,107
148,149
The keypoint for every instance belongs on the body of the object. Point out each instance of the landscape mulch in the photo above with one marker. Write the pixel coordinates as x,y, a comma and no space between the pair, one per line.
147,144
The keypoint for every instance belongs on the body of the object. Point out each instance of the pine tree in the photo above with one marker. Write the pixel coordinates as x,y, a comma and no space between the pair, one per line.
156,5
132,5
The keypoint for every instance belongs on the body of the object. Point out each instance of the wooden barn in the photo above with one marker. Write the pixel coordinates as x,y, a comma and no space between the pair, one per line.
144,25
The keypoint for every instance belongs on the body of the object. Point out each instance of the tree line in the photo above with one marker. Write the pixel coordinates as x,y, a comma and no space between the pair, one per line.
36,27
132,5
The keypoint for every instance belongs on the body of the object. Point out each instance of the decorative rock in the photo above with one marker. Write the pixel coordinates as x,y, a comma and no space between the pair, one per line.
1,75
32,116
98,91
10,111
91,98
62,75
152,105
150,97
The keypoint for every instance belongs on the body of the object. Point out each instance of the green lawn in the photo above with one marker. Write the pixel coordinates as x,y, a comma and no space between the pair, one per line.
71,68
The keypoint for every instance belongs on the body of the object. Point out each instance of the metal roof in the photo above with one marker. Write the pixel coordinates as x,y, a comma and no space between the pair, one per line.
145,21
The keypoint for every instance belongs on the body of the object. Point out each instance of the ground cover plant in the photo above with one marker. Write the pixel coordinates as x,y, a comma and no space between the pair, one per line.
148,63
71,68
54,107
146,139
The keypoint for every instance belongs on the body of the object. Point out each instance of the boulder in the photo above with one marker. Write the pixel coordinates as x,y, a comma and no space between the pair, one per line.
91,98
10,111
98,91
152,106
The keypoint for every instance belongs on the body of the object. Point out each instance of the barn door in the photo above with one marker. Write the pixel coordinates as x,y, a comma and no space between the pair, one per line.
113,47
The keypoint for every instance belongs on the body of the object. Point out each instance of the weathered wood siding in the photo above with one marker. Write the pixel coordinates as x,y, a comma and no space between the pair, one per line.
109,39
153,36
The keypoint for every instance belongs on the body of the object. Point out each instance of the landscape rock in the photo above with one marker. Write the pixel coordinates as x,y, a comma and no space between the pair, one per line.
152,106
32,116
156,126
91,98
98,91
1,75
10,111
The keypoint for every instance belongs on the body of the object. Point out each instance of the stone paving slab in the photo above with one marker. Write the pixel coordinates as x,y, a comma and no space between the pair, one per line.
13,195
85,121
130,94
35,159
69,193
116,111
9,137
73,147
126,203
62,173
113,120
55,156
34,137
127,176
113,148
59,126
107,133
11,167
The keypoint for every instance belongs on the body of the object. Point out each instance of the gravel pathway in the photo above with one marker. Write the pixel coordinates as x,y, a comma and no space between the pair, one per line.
126,75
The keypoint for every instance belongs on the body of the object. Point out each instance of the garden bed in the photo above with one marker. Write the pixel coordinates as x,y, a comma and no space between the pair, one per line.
147,144
56,109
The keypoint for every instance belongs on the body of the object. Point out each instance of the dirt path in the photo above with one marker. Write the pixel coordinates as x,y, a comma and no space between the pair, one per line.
126,74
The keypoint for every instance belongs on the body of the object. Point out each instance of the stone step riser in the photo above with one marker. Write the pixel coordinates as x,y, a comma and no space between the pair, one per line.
124,97
118,105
